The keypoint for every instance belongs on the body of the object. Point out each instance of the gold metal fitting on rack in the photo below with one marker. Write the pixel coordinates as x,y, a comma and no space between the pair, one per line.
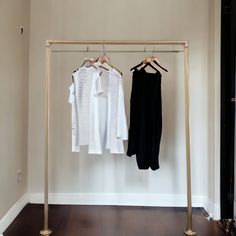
190,232
45,232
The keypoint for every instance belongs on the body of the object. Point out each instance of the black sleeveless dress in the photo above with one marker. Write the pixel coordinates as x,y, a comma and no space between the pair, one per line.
145,119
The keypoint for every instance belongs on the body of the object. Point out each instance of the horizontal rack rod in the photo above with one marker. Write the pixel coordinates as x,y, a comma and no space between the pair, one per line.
119,42
121,51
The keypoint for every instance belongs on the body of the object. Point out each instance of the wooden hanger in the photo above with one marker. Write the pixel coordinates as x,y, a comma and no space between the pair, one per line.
101,60
156,61
149,64
90,60
105,60
148,60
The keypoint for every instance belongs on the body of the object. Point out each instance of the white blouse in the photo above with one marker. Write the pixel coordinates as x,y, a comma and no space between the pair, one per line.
98,111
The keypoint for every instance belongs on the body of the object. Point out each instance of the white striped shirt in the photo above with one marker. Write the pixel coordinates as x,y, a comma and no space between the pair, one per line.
98,111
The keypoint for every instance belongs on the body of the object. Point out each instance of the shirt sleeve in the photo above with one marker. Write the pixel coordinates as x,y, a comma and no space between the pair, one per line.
71,93
74,119
122,130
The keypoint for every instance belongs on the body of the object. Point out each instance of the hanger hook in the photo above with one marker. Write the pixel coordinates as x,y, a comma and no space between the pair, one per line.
153,50
104,51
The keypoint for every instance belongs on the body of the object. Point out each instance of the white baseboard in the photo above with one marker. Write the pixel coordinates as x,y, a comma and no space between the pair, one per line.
164,200
13,212
216,215
160,200
213,209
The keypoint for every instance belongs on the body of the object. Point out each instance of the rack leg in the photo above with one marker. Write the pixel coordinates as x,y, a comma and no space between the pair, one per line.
189,230
46,231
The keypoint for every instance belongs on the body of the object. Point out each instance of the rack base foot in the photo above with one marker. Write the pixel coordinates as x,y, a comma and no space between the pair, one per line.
190,232
45,232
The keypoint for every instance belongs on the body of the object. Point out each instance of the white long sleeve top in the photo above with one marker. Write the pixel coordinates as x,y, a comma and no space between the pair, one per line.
98,111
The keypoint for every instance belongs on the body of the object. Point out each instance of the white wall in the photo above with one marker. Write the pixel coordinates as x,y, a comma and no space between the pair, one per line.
14,63
156,19
214,107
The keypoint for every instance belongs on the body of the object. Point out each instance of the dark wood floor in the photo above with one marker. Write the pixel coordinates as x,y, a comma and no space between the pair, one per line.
110,221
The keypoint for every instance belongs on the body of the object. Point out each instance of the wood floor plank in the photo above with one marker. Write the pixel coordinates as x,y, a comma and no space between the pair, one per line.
67,220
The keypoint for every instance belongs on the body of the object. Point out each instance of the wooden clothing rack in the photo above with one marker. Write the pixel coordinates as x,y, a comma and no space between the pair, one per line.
185,48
